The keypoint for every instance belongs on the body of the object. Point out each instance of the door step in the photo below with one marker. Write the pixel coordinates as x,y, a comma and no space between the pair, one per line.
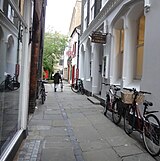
94,100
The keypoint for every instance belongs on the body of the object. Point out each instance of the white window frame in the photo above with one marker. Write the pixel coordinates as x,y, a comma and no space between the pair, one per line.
92,6
85,17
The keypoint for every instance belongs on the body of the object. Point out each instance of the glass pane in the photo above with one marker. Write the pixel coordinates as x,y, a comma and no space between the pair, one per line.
122,41
9,89
139,62
141,30
140,47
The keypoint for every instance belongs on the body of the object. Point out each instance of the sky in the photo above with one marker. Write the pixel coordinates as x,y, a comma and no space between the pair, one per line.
58,15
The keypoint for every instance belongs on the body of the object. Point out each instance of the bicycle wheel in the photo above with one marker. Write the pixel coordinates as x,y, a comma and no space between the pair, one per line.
117,112
82,90
106,108
107,105
16,85
151,134
75,87
10,86
128,120
43,96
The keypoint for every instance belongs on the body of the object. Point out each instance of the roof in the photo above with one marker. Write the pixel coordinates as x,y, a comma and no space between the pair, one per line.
78,27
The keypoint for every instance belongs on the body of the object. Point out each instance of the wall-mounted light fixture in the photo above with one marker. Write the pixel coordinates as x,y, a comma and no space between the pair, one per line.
147,5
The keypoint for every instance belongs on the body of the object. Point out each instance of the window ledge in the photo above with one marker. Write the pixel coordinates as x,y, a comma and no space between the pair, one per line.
134,84
88,80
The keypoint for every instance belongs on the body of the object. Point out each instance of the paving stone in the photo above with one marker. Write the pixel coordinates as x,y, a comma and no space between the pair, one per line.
139,157
94,145
58,123
53,117
120,140
101,155
127,150
54,154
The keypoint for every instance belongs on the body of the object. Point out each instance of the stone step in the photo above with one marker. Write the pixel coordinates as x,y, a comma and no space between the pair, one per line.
94,100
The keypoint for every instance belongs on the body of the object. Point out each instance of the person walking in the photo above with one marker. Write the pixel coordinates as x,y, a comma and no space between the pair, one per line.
57,78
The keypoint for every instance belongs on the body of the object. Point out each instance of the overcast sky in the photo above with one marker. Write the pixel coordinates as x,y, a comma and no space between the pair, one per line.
58,15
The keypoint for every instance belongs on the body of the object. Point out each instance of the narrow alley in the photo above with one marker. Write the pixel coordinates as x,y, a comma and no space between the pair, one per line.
68,127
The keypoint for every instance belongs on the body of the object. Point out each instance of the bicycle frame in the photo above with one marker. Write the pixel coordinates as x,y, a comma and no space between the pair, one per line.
113,103
137,121
110,100
146,123
111,96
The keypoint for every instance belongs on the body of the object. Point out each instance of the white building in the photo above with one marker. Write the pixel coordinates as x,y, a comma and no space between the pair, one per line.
71,53
71,57
130,57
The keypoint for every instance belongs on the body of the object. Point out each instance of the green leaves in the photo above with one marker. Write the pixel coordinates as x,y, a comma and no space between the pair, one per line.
54,45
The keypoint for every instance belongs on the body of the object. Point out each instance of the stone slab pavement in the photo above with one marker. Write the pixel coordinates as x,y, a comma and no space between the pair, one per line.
68,127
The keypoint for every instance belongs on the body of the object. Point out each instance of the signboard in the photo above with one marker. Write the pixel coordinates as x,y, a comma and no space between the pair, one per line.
98,37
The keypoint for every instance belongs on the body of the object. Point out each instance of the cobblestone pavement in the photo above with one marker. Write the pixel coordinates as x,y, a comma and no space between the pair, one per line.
68,127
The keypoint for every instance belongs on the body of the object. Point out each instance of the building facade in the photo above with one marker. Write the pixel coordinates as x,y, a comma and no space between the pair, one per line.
16,26
71,53
130,50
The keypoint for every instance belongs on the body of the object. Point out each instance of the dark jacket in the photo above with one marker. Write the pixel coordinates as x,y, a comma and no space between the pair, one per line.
56,78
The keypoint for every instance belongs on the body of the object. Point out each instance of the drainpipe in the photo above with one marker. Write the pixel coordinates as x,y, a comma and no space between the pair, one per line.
35,54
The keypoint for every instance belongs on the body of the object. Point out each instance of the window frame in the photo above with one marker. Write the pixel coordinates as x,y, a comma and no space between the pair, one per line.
139,66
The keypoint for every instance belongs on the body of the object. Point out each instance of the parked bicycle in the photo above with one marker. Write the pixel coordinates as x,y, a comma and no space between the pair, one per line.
77,86
113,103
146,123
42,91
9,84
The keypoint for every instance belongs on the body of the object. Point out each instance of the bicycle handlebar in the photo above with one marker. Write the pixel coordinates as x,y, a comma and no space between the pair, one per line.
106,84
113,86
135,91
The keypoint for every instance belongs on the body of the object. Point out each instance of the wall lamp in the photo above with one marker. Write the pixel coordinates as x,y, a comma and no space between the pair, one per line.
147,5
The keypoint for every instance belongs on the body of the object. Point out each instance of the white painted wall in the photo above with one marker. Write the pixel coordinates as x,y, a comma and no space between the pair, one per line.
151,61
25,68
151,65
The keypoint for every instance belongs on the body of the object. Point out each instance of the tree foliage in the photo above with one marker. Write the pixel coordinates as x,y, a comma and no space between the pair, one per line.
54,45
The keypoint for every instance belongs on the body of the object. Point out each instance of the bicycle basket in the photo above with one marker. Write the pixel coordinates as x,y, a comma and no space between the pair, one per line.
128,97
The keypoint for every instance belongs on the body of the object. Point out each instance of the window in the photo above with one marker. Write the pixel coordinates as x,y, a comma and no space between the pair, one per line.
92,8
85,17
119,52
104,66
10,13
121,41
98,4
21,7
140,47
1,4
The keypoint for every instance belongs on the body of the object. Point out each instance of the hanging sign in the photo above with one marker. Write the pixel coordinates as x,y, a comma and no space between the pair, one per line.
98,37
